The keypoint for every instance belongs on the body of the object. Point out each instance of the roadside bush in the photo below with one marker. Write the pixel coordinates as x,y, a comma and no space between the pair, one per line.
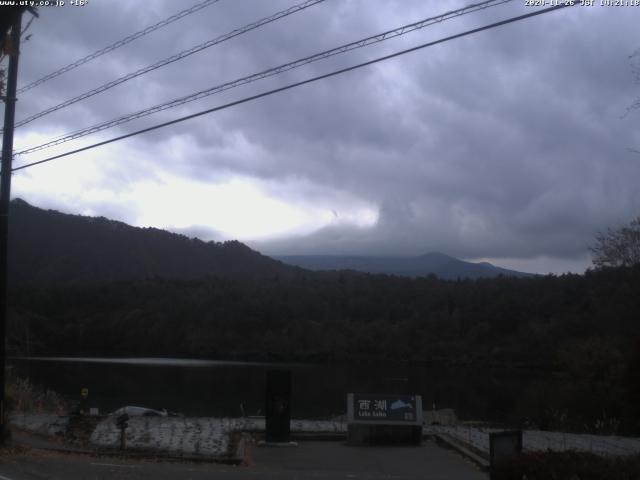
568,466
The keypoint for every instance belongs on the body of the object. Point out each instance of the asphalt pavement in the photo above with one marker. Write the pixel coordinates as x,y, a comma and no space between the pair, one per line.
318,460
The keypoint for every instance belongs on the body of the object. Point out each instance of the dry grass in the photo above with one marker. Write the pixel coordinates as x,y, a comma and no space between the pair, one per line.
24,397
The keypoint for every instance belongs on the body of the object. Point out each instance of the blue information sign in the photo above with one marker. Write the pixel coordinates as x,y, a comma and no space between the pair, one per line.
397,409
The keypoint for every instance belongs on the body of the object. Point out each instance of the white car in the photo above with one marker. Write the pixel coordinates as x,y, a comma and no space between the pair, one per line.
140,412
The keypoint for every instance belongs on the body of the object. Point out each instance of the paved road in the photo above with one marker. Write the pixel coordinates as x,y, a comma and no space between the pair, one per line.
310,460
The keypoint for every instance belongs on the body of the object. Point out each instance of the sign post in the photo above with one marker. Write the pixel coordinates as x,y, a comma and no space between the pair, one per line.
84,401
377,418
122,423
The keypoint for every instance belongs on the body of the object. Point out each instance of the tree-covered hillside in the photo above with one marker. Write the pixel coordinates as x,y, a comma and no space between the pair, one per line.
47,247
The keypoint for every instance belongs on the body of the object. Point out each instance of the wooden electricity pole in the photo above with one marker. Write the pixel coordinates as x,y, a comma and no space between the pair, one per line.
13,48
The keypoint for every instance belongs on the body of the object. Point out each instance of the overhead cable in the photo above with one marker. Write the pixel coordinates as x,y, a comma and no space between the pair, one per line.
297,84
396,32
173,58
118,44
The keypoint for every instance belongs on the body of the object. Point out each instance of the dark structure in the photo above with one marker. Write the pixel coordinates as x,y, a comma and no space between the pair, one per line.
11,45
278,406
503,446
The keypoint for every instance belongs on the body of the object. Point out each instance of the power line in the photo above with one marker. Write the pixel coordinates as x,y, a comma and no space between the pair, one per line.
173,58
298,84
268,73
118,44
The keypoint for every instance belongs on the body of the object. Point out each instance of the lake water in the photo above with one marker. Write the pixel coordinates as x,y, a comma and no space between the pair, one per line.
218,388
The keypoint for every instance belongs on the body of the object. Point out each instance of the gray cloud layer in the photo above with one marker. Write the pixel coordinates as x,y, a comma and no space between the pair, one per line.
507,144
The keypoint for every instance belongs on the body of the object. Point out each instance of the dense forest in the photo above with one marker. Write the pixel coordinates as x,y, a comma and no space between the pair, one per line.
332,316
582,329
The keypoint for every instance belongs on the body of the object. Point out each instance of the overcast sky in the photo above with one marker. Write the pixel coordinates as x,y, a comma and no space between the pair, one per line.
510,145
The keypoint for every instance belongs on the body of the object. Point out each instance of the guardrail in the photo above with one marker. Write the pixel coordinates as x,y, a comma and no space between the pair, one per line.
538,440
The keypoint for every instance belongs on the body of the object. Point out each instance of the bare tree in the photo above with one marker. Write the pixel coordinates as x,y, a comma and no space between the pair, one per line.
634,60
619,247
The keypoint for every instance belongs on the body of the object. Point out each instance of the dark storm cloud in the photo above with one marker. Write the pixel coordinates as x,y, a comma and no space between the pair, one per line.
509,143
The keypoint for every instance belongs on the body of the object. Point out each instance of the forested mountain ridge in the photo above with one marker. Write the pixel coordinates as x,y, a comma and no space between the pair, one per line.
434,263
47,247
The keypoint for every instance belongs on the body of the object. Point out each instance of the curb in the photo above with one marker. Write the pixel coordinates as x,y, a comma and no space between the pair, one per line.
301,436
304,436
450,442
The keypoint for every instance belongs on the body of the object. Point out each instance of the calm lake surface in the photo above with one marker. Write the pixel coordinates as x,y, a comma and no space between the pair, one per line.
218,388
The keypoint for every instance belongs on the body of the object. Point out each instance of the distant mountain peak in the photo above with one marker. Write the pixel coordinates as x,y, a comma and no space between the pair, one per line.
20,202
431,263
436,254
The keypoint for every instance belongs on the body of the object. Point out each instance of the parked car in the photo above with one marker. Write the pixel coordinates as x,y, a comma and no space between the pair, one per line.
141,412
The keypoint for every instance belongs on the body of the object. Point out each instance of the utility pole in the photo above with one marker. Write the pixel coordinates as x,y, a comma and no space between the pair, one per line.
5,194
